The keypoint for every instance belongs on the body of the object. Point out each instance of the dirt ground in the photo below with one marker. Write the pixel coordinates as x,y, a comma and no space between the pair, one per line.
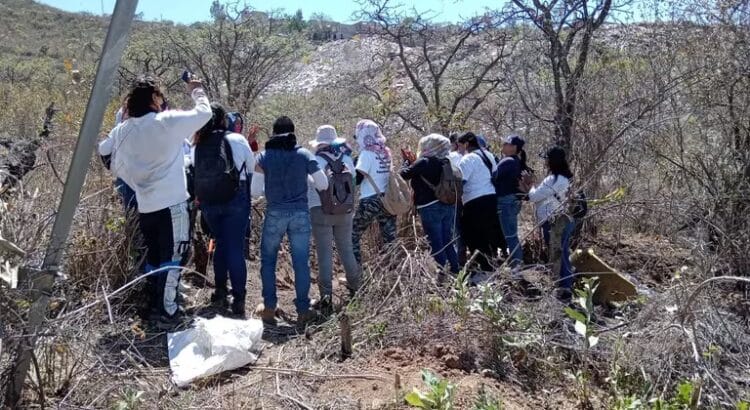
302,369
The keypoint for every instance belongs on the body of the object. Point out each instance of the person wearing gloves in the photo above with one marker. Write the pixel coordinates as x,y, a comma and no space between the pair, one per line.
281,174
373,170
149,157
438,219
549,198
333,227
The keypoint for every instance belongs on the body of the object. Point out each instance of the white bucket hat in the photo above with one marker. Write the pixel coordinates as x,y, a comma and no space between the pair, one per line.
326,135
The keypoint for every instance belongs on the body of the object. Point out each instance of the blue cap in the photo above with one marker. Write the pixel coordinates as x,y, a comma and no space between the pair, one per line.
482,141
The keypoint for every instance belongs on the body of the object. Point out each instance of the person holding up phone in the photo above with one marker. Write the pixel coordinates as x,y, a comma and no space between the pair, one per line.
149,150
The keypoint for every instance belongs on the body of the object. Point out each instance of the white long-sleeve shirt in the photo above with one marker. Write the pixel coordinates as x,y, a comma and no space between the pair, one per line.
548,195
148,153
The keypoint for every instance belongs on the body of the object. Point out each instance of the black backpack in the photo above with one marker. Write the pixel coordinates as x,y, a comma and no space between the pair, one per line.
216,179
580,205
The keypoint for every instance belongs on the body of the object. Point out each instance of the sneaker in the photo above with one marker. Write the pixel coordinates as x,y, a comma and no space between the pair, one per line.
324,305
219,298
478,278
564,295
306,317
267,315
238,307
170,323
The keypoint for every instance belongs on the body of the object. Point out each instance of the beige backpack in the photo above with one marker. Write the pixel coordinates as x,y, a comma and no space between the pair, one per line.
398,196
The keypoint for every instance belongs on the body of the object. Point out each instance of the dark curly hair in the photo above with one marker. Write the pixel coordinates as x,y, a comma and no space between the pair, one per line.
140,100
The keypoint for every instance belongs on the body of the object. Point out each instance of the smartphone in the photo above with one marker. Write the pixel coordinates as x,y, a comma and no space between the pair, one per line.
186,76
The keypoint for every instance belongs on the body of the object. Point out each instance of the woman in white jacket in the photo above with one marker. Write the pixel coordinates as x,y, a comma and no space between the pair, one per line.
148,154
549,199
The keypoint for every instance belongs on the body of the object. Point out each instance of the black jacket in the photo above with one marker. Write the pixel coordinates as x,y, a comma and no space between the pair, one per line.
428,168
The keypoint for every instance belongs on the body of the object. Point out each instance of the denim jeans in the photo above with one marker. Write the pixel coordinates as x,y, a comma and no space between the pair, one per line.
508,208
127,195
559,232
130,206
228,223
326,230
296,225
438,221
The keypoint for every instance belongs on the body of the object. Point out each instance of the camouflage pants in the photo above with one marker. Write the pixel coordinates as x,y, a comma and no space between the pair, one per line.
369,210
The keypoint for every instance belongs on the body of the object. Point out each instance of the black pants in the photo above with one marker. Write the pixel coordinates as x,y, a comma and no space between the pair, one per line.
167,238
480,230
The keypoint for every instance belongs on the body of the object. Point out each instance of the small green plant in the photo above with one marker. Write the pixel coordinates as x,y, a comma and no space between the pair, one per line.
743,405
115,225
460,291
377,330
685,398
584,320
485,401
129,400
438,397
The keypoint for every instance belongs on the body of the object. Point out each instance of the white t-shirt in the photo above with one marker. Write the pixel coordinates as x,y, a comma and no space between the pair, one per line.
455,158
313,198
378,168
476,175
547,195
148,153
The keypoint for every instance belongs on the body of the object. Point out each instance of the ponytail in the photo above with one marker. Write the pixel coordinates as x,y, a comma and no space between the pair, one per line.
218,122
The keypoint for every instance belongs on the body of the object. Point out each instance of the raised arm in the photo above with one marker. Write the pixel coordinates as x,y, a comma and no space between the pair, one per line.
183,123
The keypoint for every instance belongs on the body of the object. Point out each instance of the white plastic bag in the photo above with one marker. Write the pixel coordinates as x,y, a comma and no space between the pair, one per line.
211,347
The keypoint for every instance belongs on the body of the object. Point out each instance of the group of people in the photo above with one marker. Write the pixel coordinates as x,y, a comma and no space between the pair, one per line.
485,221
313,193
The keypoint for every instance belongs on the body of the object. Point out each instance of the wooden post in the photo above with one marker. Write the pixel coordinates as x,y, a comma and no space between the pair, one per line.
346,336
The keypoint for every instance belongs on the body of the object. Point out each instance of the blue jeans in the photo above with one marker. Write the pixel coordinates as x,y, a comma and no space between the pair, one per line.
561,253
508,207
127,195
438,220
296,225
228,223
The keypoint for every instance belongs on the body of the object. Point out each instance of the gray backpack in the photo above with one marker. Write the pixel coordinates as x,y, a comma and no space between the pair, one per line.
338,199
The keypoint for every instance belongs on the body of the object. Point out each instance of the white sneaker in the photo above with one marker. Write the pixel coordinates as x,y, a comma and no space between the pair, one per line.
479,278
184,287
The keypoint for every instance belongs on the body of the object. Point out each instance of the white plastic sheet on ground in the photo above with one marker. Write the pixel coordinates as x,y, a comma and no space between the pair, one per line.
212,346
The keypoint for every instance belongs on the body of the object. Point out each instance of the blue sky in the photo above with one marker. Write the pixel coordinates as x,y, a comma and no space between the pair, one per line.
189,11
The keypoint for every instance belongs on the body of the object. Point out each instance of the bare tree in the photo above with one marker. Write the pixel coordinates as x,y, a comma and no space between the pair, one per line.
240,54
568,27
452,69
149,53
